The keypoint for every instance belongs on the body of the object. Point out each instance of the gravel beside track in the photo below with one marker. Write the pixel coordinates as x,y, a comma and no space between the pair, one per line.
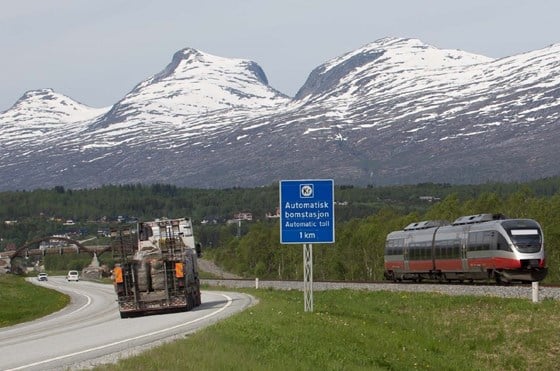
510,291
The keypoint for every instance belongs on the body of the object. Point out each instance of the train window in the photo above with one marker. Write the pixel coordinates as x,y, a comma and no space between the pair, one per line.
525,234
472,243
440,249
394,247
427,252
479,241
525,237
419,250
388,248
527,242
457,249
446,249
489,240
502,243
412,251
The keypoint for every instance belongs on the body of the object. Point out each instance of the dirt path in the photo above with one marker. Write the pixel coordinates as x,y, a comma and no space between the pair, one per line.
210,267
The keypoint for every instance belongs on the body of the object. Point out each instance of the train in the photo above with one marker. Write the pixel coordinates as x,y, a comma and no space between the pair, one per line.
482,247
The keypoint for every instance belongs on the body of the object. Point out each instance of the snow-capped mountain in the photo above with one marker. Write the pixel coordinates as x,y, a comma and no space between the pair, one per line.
387,66
40,112
393,111
410,112
196,83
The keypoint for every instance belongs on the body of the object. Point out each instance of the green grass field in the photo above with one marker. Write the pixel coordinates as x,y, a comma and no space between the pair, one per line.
21,301
354,330
348,330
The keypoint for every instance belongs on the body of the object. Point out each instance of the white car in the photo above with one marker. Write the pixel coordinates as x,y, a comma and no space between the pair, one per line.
73,276
42,277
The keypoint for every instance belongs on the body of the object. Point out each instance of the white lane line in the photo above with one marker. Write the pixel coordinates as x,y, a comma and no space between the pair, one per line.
66,289
229,302
87,304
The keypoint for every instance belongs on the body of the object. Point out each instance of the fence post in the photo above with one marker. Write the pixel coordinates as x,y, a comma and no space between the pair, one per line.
535,292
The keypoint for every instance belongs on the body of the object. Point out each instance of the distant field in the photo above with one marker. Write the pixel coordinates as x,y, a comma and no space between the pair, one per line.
21,301
355,330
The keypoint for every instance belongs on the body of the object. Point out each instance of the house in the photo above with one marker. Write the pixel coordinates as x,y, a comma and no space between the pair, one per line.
243,216
274,215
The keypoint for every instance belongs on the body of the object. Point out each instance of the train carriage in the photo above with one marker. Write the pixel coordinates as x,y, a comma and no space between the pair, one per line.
474,247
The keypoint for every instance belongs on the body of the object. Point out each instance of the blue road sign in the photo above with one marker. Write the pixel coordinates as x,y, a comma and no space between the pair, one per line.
306,211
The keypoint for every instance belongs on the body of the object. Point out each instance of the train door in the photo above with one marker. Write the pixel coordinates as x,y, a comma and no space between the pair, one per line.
406,254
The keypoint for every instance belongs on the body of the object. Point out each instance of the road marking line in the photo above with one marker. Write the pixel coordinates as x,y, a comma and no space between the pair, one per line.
64,289
229,302
87,304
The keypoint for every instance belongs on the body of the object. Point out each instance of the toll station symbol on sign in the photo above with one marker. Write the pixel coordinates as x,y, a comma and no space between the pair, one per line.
306,211
306,190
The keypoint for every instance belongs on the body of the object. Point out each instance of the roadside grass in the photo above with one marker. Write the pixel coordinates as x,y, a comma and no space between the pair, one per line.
359,330
21,301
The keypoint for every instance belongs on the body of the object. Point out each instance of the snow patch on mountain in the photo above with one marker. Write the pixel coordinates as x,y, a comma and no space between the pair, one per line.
393,60
194,84
403,81
40,113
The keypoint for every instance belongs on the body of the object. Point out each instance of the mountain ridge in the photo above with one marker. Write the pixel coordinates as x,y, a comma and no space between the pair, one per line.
393,111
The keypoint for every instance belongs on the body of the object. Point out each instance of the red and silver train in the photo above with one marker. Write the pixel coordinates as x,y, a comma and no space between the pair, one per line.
474,247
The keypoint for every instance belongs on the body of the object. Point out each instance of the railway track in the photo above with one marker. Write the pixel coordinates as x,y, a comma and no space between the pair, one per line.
453,288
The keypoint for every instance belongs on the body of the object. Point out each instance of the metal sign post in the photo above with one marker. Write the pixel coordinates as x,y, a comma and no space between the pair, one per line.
307,216
308,277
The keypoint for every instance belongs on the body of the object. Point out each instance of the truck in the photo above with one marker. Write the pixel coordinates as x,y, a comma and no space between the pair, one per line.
156,268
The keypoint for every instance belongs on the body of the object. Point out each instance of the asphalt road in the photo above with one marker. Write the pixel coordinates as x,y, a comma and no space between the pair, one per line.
90,331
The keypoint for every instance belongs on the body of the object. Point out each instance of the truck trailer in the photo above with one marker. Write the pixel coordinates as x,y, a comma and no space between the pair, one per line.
156,269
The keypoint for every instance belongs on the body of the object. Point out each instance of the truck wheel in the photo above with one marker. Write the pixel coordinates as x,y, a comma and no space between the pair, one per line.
190,302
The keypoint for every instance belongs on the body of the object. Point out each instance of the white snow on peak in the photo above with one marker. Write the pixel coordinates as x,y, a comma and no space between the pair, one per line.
196,82
198,96
412,52
47,106
405,81
41,113
393,70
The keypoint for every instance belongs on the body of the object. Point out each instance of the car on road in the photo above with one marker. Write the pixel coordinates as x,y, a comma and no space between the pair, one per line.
73,276
42,277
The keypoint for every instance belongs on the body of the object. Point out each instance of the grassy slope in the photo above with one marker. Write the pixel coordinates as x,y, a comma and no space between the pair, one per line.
21,301
352,330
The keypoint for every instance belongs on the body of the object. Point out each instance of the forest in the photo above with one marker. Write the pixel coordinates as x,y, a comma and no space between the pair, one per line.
364,216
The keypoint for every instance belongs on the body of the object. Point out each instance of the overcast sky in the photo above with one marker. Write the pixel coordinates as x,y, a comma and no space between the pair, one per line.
96,51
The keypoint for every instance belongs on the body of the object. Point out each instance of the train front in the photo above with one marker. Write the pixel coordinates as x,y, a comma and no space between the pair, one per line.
526,241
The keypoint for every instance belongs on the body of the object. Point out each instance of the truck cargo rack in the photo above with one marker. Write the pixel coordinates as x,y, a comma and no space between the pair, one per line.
123,244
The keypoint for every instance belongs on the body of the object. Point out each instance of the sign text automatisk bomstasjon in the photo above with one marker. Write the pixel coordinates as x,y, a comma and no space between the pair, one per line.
315,214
